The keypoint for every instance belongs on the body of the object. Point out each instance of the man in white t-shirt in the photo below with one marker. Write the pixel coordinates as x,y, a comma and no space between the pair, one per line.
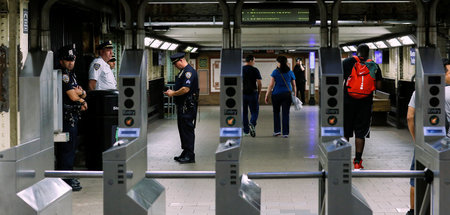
101,76
410,119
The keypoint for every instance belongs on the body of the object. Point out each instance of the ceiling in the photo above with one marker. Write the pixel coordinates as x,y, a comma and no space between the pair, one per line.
201,24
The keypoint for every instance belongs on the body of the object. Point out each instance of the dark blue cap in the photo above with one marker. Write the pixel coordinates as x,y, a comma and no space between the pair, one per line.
105,45
176,57
67,53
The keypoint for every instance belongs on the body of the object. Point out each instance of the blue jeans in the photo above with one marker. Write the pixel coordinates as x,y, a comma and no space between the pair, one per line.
283,100
250,101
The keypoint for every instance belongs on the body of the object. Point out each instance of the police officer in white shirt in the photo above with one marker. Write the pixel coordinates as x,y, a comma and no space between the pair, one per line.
101,76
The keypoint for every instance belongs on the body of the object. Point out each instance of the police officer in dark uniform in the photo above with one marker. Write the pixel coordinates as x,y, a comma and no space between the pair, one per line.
73,104
186,98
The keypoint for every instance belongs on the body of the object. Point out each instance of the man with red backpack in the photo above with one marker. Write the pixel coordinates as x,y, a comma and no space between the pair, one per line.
362,76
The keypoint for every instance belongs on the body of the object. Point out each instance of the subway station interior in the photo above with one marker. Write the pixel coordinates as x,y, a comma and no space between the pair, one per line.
128,137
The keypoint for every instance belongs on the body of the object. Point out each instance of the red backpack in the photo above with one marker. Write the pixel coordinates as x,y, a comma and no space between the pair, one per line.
361,83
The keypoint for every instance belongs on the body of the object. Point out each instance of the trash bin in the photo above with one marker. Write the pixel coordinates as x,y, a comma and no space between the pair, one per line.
102,121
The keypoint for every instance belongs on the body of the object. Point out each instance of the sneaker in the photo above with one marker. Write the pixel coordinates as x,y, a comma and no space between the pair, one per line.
246,134
252,130
285,136
358,165
276,134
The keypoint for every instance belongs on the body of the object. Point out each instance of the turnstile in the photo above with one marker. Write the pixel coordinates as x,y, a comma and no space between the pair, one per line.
431,147
24,189
235,194
337,196
126,190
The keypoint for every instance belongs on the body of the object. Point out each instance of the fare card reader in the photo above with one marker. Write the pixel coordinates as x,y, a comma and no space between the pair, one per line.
431,147
126,190
235,194
337,196
24,188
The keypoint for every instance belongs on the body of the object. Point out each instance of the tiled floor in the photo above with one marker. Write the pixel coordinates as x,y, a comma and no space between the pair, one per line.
388,148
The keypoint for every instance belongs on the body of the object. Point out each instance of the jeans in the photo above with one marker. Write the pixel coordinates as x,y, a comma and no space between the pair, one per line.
250,101
283,100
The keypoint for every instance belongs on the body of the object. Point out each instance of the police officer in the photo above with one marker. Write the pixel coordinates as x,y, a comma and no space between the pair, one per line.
186,98
101,76
73,104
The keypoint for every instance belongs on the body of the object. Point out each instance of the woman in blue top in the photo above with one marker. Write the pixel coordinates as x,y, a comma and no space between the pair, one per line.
281,95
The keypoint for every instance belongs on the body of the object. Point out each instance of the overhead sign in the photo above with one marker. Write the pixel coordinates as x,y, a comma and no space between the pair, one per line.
270,13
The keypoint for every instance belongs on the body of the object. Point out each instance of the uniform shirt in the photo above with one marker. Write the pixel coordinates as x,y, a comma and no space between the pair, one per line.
100,71
186,78
249,76
347,66
69,82
280,86
412,103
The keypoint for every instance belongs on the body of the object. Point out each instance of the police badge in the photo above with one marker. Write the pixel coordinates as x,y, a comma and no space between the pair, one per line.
65,78
188,75
96,66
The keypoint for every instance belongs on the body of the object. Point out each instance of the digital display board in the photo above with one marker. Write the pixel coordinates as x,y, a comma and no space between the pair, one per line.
378,57
270,13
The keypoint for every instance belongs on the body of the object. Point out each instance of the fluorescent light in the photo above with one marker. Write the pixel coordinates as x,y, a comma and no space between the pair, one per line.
394,42
352,48
371,45
406,40
345,49
194,49
165,45
148,41
173,46
188,49
381,45
156,43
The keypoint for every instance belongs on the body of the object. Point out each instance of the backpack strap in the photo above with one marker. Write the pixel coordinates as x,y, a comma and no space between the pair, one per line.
357,59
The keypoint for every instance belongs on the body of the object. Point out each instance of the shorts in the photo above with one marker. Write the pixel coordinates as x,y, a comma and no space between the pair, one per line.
413,167
357,118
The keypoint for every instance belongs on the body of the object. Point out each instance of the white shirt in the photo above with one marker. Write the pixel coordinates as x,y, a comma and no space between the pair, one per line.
100,71
447,104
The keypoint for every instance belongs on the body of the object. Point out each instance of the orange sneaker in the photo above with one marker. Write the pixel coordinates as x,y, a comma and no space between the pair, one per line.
357,165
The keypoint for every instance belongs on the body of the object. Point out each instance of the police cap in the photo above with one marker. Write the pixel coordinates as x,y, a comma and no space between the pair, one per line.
113,59
176,57
67,52
105,45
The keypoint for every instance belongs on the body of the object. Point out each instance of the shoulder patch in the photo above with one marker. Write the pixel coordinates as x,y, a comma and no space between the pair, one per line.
96,66
188,75
65,78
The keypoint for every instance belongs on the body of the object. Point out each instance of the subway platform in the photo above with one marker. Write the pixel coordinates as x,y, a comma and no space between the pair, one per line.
388,148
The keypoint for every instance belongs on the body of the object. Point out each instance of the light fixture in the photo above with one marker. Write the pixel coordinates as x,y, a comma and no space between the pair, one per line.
165,45
371,45
156,43
194,49
406,40
381,45
352,48
394,42
188,49
148,41
345,48
173,46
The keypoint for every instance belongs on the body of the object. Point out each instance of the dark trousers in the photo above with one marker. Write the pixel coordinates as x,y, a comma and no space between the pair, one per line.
301,91
186,128
250,101
65,151
282,100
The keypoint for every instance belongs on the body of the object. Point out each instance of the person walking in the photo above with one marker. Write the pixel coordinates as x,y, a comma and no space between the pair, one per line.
358,104
300,80
251,79
282,83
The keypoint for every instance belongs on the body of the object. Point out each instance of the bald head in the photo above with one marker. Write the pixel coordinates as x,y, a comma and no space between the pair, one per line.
363,51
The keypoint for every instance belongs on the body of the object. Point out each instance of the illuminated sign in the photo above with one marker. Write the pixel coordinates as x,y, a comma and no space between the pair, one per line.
270,13
312,60
378,57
